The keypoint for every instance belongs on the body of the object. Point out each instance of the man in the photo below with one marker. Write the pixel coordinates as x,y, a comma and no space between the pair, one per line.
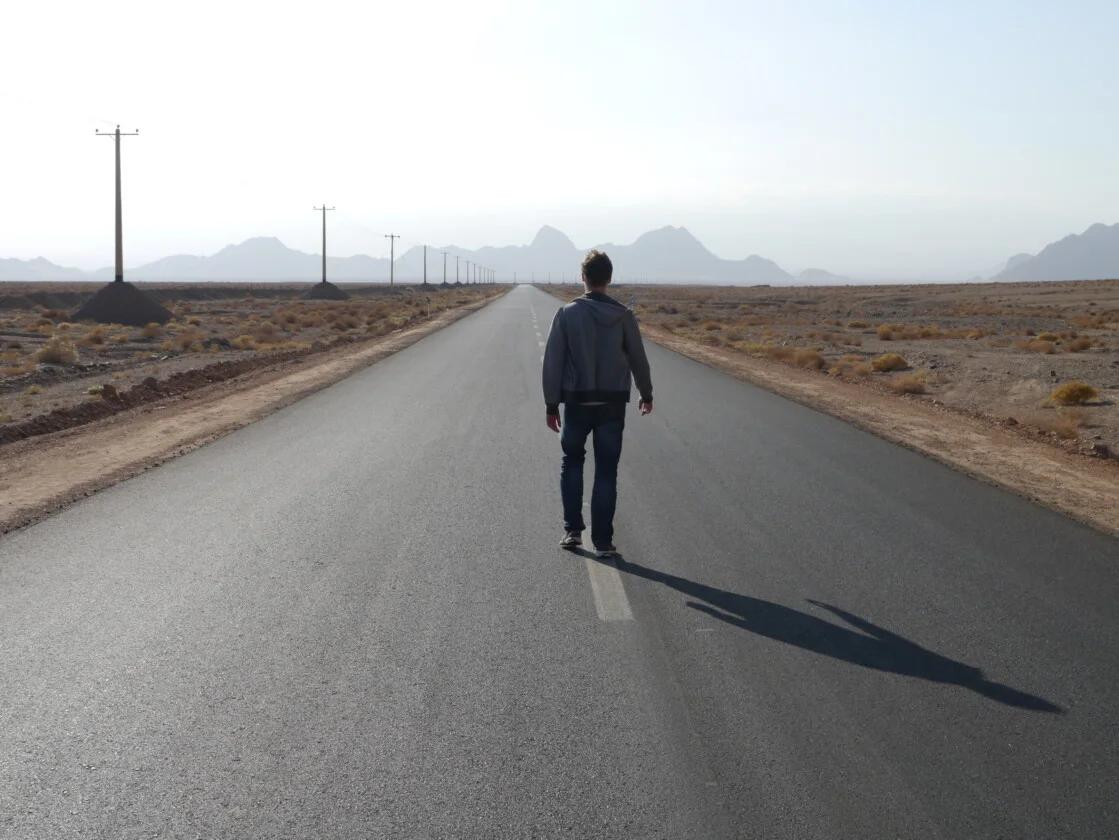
593,350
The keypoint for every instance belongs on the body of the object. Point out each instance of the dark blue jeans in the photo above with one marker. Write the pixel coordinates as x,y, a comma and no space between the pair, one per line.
606,423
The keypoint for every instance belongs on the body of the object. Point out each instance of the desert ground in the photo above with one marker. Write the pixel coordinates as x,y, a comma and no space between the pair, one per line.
56,374
1016,354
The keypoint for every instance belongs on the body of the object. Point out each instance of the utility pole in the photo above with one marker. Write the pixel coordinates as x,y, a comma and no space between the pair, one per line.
444,253
456,268
468,272
323,209
392,237
116,135
425,265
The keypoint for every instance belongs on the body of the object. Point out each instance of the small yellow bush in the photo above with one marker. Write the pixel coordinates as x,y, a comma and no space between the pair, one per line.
888,362
908,383
1073,393
810,359
57,351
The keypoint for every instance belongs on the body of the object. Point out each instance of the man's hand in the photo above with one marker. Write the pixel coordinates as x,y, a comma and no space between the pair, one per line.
554,422
645,407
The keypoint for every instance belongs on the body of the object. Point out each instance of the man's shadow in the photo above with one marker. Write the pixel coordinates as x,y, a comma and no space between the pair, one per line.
874,647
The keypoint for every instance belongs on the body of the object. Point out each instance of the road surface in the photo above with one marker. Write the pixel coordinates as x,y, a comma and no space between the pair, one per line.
351,620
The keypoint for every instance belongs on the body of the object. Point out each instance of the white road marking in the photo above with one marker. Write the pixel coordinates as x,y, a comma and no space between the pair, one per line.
610,600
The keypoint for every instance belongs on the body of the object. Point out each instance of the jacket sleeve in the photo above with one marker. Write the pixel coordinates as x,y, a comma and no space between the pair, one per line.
635,353
555,357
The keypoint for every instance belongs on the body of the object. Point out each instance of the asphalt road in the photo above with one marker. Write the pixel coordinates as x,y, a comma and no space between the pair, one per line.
351,620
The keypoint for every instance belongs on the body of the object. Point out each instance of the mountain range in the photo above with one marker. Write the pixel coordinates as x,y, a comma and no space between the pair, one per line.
669,254
1092,255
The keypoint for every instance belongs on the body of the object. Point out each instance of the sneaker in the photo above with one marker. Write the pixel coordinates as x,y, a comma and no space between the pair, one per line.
572,540
608,552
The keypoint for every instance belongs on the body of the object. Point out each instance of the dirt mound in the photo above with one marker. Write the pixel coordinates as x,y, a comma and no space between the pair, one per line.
150,390
122,303
325,291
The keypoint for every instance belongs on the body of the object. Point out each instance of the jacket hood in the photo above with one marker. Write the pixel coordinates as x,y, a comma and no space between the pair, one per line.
605,309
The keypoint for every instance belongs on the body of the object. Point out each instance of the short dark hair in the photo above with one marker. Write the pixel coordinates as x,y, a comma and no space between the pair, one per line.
597,268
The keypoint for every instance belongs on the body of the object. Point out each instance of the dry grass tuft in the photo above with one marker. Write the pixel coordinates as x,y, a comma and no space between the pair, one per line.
908,383
889,361
57,351
1074,393
810,359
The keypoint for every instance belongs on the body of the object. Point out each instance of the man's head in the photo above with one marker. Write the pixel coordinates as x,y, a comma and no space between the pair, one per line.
597,271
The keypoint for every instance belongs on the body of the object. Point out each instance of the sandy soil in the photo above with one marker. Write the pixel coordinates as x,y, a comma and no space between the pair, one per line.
44,473
984,405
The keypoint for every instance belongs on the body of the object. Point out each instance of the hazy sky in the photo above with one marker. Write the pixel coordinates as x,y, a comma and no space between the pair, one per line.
879,139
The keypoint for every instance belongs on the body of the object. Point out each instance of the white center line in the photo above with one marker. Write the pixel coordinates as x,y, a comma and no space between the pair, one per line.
610,600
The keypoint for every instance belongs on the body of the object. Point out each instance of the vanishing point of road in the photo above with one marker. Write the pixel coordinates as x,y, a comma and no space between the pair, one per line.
351,620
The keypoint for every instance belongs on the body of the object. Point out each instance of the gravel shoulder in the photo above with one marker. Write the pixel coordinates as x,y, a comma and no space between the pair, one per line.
43,474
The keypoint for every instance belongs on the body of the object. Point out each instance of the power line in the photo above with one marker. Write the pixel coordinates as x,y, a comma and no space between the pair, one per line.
116,135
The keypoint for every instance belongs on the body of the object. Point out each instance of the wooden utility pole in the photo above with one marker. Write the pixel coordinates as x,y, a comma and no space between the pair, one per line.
444,253
323,210
116,135
425,265
392,237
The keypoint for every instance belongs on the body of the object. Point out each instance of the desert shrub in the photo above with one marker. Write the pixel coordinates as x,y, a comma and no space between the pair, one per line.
152,330
1048,336
779,352
857,325
885,332
711,326
908,383
810,359
33,389
1073,393
1041,346
888,362
1078,345
57,351
1064,424
194,321
850,367
94,336
243,342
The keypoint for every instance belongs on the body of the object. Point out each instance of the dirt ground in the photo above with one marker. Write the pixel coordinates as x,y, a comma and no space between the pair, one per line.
994,350
978,365
55,374
43,473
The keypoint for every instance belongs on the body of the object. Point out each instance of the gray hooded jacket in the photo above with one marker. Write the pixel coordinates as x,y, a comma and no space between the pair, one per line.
592,349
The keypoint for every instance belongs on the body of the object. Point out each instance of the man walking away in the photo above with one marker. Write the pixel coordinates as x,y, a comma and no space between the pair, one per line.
593,350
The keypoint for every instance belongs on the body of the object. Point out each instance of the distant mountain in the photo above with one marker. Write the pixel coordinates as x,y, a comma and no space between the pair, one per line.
37,269
819,277
261,258
670,254
1092,255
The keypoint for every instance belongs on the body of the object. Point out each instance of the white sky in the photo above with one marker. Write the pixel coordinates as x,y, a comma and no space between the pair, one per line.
887,138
